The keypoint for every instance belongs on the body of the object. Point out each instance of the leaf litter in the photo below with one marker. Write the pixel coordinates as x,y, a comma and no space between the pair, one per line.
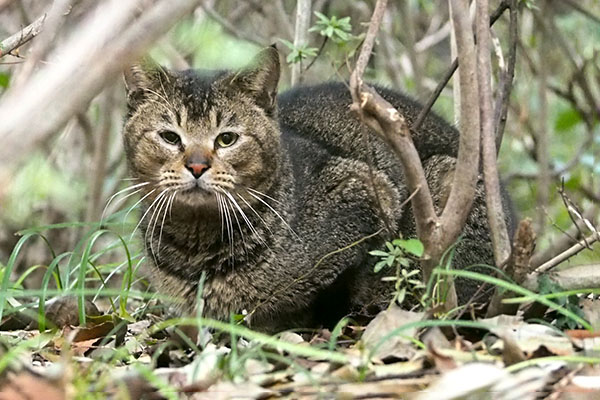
399,354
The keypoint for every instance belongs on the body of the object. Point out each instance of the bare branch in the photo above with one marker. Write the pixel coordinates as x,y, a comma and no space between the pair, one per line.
493,198
300,35
541,132
366,50
467,165
573,278
433,38
230,28
564,242
45,41
384,119
92,57
20,38
506,78
578,7
451,70
570,252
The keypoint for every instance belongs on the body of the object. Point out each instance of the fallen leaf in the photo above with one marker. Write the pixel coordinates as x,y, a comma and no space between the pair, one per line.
398,346
64,311
26,386
476,381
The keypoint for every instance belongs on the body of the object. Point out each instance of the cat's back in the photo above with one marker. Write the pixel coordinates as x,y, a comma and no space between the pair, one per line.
322,113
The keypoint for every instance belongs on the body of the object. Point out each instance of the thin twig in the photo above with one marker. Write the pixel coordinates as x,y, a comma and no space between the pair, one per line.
20,38
495,214
451,70
570,252
91,57
506,79
300,35
230,28
542,145
578,7
466,170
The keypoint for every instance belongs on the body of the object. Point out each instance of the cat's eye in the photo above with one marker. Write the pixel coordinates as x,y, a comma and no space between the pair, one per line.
170,137
226,139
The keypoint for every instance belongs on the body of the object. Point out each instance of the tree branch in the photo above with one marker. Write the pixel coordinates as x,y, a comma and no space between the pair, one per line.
230,28
20,38
451,70
493,198
94,55
573,278
300,35
466,170
570,252
506,78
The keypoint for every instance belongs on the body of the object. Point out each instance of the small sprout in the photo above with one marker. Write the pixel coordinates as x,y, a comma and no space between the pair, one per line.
401,254
298,54
338,30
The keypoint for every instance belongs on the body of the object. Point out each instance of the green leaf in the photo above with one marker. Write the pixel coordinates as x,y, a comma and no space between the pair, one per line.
404,261
379,266
287,43
390,260
567,119
401,295
322,17
379,253
4,80
412,246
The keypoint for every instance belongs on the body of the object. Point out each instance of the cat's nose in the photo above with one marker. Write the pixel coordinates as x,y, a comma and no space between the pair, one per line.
197,169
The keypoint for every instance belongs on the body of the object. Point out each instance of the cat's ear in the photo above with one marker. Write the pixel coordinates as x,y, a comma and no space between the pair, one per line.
260,78
142,77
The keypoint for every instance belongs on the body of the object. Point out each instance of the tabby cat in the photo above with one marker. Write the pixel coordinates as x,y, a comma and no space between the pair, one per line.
276,200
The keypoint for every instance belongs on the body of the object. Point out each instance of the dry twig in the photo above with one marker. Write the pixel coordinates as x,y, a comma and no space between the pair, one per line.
17,40
91,57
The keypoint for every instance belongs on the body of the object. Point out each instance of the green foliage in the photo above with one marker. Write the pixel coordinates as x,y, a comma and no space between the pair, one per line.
4,80
207,45
570,303
36,184
338,30
530,4
298,54
567,119
400,254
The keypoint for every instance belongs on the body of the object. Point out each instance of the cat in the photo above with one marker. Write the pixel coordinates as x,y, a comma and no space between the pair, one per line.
274,202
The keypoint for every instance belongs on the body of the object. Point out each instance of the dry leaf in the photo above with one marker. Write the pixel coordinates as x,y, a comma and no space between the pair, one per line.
398,346
26,386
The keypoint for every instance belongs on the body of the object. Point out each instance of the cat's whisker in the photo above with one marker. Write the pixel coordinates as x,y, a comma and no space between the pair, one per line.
162,224
219,206
132,187
148,209
157,211
262,194
276,213
255,212
136,204
229,224
246,219
237,221
171,208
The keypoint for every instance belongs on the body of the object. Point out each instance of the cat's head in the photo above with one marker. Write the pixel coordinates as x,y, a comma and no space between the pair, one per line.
197,134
